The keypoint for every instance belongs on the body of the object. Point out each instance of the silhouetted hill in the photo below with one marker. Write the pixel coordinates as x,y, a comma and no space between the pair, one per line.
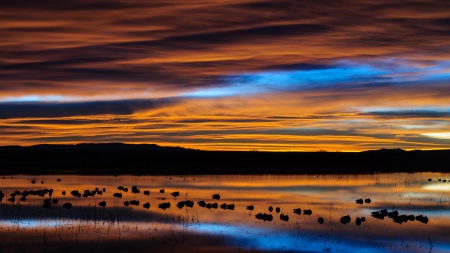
93,146
118,158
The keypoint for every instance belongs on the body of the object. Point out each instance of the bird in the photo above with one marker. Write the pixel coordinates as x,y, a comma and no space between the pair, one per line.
102,204
134,202
216,196
367,201
161,191
393,214
277,210
358,221
359,201
201,203
135,190
251,208
320,220
284,217
146,205
58,180
298,211
175,194
423,219
307,212
164,205
345,219
270,208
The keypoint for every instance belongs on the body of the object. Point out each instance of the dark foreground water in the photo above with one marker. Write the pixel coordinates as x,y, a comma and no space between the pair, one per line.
34,221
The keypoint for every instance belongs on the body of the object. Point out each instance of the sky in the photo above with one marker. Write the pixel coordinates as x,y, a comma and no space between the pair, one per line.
285,75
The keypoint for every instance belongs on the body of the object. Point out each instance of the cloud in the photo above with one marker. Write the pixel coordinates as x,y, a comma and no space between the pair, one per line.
55,110
428,114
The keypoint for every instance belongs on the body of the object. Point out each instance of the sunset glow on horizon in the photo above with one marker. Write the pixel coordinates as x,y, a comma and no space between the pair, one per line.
227,75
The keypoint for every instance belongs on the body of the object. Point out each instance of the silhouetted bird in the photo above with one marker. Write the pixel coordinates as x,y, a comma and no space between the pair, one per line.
126,203
270,208
208,206
161,191
58,180
429,179
64,193
67,205
175,194
363,219
444,180
367,201
298,211
135,190
251,208
190,203
307,212
100,193
345,219
423,219
439,179
378,215
117,195
358,221
104,190
102,204
320,220
201,203
384,212
146,192
181,204
12,200
277,210
120,188
146,205
214,205
23,199
125,189
264,217
400,219
33,181
411,217
284,217
216,196
393,214
55,201
134,202
164,205
359,201
230,207
42,182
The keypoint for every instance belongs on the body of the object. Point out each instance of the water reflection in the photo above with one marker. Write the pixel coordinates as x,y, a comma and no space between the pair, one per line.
360,213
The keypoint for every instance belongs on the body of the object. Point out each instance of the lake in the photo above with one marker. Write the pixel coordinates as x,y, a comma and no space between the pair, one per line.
396,213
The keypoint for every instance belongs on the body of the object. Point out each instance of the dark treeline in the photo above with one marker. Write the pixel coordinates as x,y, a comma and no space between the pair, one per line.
156,160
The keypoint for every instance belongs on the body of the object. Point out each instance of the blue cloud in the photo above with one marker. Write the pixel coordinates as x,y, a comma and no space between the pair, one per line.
342,73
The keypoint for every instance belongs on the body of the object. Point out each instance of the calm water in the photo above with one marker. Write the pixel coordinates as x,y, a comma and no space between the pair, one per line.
27,226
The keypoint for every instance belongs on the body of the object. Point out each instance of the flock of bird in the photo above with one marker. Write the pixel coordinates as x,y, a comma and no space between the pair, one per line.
48,202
